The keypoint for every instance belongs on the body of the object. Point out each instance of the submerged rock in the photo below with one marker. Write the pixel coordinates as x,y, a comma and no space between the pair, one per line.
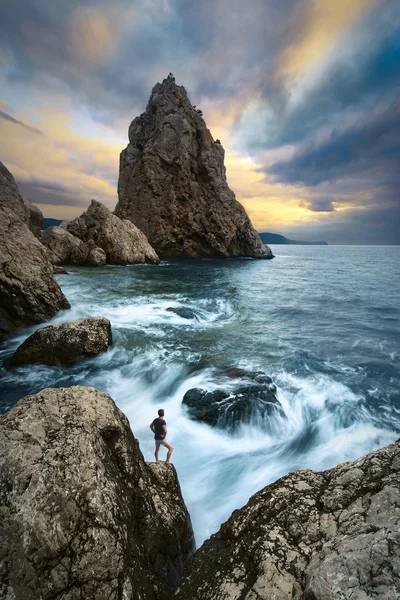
185,313
64,344
229,408
29,293
83,516
121,241
316,536
172,183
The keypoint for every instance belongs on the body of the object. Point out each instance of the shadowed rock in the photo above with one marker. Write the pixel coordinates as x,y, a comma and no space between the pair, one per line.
64,344
28,291
229,408
83,516
172,183
122,242
333,535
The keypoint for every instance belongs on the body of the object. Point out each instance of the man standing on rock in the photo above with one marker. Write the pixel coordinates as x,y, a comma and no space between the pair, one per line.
159,428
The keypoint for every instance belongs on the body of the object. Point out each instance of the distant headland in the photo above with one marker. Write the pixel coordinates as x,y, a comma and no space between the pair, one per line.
275,238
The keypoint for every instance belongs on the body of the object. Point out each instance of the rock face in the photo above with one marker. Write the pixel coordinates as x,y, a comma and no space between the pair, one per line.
64,344
83,516
252,398
314,536
122,242
172,183
28,291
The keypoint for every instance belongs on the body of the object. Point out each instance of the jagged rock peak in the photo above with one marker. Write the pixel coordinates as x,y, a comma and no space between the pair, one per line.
173,186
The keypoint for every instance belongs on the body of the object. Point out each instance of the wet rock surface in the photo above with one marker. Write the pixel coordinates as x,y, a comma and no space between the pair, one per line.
83,516
253,397
66,343
172,183
121,241
29,293
333,535
185,313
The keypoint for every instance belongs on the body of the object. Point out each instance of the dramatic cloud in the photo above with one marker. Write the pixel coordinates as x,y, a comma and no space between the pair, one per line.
302,94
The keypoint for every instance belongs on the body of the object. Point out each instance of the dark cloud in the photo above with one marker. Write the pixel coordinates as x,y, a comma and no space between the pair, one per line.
369,149
8,117
45,193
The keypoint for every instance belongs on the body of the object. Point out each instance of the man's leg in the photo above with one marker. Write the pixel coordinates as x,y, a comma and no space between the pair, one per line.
170,451
156,452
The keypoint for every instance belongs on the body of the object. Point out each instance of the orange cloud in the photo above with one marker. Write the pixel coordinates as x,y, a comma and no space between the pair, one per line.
74,168
326,21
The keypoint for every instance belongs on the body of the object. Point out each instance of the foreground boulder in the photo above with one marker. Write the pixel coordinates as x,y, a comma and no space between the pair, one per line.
122,242
29,293
83,516
314,536
64,344
172,183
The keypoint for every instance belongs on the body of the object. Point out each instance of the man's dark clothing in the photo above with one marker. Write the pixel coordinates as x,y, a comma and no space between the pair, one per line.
158,429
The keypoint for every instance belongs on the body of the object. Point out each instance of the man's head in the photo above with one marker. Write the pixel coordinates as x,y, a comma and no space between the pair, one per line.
161,412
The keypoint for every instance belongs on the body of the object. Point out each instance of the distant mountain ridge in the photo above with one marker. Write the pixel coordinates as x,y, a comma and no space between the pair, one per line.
275,238
51,223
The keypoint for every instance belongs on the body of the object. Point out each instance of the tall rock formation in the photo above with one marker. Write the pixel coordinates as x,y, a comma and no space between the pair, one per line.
28,291
172,183
309,536
82,514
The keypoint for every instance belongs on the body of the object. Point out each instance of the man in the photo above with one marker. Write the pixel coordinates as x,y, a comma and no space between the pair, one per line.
159,428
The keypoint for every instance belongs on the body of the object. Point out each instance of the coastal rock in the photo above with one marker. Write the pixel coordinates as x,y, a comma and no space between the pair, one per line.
172,183
29,293
59,270
333,535
64,344
185,313
35,218
83,516
65,249
229,408
122,242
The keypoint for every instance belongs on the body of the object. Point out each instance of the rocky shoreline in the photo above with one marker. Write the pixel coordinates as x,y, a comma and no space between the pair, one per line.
83,515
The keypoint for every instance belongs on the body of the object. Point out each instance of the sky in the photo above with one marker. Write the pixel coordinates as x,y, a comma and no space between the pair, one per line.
303,94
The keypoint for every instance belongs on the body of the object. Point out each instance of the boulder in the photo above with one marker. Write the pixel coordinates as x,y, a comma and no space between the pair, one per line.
122,242
83,516
230,408
172,183
185,313
314,536
64,248
29,293
64,344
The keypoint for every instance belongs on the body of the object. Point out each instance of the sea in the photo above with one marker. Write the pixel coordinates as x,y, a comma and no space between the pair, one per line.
322,321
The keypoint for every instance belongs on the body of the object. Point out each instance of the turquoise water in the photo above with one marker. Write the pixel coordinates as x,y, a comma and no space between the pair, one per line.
322,321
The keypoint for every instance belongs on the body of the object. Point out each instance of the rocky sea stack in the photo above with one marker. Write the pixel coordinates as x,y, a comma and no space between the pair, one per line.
172,183
28,291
